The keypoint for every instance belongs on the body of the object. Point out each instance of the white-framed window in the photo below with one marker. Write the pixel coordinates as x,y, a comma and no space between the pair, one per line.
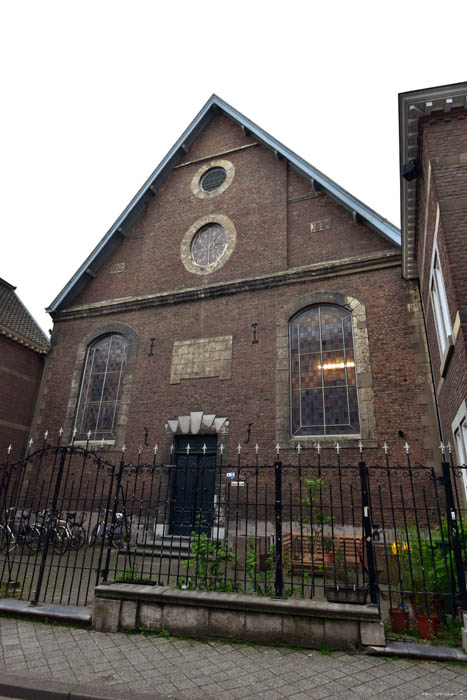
440,304
459,430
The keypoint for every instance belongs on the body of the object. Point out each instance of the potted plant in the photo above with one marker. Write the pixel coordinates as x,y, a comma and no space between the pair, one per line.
399,615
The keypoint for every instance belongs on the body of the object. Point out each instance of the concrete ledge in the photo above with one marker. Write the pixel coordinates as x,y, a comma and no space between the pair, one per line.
61,613
238,616
411,650
13,686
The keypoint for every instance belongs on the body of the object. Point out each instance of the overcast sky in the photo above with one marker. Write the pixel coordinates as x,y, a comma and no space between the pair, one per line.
95,93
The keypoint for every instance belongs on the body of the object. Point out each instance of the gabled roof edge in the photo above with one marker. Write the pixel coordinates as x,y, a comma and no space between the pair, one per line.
129,215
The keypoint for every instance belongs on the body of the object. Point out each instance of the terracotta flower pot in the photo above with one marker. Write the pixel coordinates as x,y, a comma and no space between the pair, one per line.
399,619
428,626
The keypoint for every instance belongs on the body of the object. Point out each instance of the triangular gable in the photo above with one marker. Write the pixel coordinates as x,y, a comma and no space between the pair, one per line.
213,106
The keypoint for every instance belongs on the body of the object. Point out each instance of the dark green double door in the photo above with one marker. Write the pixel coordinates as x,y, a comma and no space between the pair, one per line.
194,485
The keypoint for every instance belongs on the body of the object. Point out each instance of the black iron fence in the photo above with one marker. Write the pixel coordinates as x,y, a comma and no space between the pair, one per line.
394,535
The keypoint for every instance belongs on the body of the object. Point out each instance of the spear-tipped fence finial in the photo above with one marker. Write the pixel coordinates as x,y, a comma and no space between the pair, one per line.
221,448
318,447
204,449
10,447
299,448
278,449
406,447
155,449
449,447
256,448
338,448
30,443
172,448
188,448
60,432
89,435
123,449
360,446
239,448
46,435
442,447
385,448
140,449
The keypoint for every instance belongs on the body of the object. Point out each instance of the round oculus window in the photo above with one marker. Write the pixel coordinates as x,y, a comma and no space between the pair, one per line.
212,179
208,245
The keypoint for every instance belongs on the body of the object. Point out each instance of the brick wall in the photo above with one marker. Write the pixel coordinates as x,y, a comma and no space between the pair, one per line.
442,193
20,375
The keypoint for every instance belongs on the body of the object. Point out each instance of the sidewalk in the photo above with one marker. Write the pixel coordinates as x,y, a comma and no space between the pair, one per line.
36,652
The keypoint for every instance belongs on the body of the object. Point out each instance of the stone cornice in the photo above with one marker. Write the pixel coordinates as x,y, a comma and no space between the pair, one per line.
17,338
414,106
319,271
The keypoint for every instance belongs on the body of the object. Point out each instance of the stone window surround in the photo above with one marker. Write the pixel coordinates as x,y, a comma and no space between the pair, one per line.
185,246
72,406
196,181
363,368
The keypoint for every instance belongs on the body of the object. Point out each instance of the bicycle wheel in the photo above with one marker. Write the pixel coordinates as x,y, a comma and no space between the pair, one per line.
94,535
4,538
78,536
117,536
35,540
60,539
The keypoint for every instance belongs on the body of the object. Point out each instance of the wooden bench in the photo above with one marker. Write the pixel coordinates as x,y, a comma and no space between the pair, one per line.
299,553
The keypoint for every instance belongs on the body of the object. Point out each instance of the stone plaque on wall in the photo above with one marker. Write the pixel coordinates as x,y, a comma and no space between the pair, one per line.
321,225
204,357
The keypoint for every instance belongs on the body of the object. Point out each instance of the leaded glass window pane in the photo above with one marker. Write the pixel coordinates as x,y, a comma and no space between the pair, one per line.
101,388
322,369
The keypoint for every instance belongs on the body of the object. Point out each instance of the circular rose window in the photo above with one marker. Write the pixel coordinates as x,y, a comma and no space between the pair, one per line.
208,245
213,179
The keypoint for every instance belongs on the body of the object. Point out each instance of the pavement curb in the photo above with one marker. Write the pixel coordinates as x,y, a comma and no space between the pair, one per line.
18,687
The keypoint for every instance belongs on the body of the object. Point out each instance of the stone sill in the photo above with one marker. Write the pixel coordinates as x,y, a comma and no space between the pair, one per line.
328,442
445,360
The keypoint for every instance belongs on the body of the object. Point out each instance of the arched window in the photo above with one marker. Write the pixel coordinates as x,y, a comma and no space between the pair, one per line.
323,374
101,388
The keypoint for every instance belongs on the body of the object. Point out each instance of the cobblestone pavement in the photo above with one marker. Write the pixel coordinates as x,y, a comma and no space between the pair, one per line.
179,668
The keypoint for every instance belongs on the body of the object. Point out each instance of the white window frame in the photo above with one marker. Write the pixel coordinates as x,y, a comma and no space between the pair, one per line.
440,306
459,431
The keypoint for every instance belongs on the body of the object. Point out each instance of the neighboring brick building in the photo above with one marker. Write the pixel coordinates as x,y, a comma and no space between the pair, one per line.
23,347
178,323
433,141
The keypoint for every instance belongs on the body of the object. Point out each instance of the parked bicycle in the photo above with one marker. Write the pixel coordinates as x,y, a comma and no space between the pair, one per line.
113,532
75,531
13,535
58,537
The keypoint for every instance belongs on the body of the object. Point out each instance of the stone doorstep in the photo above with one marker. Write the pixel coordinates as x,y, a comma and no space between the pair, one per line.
13,686
237,601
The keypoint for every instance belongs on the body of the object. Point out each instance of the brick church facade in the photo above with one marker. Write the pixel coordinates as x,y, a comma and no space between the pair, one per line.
243,296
